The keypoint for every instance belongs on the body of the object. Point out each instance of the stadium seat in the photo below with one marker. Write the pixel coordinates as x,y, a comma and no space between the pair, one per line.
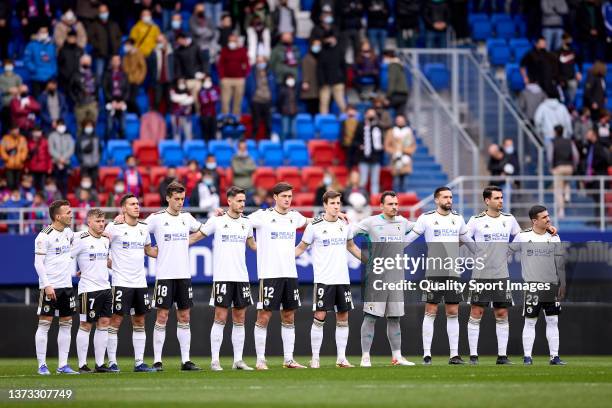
223,152
521,25
438,75
474,17
296,153
152,200
481,30
579,99
321,152
505,28
328,126
132,126
103,199
407,199
498,51
72,199
386,179
146,152
195,150
312,177
171,153
290,175
118,150
306,201
514,78
145,176
226,177
341,173
107,176
271,153
304,126
519,47
158,173
264,177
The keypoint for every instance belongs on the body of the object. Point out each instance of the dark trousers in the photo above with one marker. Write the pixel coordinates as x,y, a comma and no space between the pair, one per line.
131,102
161,93
12,178
261,112
312,105
208,125
61,178
40,178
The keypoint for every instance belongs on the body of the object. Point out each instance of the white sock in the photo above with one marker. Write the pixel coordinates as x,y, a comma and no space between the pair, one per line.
394,335
63,341
82,346
502,329
183,334
100,343
288,336
552,335
529,335
473,329
42,333
428,331
139,339
367,333
216,338
316,337
342,333
260,334
238,335
111,345
452,329
159,336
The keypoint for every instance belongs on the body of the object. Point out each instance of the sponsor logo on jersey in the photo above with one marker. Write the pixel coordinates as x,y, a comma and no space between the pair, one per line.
233,238
496,236
446,232
282,235
179,236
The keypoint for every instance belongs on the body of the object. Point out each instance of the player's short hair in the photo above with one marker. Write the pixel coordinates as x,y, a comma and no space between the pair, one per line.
535,210
174,187
125,198
386,194
281,188
55,206
233,191
439,190
330,195
95,213
488,191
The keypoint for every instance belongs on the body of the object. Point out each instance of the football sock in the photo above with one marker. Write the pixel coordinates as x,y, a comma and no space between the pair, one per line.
139,339
502,329
452,329
100,342
367,332
183,334
63,341
82,345
473,330
159,336
288,336
238,336
428,331
552,335
216,338
111,346
342,333
529,335
41,336
316,337
394,334
260,341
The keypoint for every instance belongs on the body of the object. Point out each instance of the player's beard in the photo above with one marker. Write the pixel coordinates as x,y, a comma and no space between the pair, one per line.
447,207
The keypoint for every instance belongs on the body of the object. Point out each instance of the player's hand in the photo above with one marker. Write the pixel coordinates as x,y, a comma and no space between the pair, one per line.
553,230
78,274
120,218
109,263
561,293
343,217
219,212
50,293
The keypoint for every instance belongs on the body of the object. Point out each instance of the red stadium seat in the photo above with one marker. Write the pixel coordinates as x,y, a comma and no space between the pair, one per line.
145,175
407,199
341,173
312,177
226,179
74,180
339,153
375,199
386,179
72,199
181,172
146,152
608,198
103,198
107,177
321,152
152,200
158,173
264,177
610,171
290,175
304,200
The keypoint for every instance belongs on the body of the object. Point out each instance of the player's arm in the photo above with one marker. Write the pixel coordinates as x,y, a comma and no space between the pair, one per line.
417,230
109,263
560,266
468,241
196,237
151,251
251,243
353,249
204,230
307,240
301,248
553,230
41,270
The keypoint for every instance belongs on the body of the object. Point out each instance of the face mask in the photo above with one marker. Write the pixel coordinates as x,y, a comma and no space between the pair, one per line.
243,154
315,49
208,181
211,166
119,188
176,24
104,16
147,19
261,65
86,185
89,130
327,180
61,129
8,68
232,45
69,16
43,37
50,188
509,149
24,94
160,46
328,19
127,49
36,135
207,84
200,14
85,66
290,82
181,87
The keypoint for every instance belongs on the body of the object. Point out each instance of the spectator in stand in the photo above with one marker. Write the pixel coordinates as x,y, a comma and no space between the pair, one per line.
283,20
257,8
84,203
131,177
211,164
371,151
530,98
356,195
15,201
176,29
331,74
540,66
88,150
68,60
208,97
258,40
84,93
5,193
26,187
285,58
288,107
105,40
603,128
459,20
497,163
87,185
436,14
189,64
563,158
203,32
9,85
116,88
192,177
24,109
160,71
38,216
595,162
6,13
233,67
61,148
35,13
595,89
87,10
322,6
407,15
261,102
351,13
377,13
144,33
400,145
14,153
163,186
590,30
182,109
569,77
243,167
582,124
553,12
329,182
511,156
309,93
549,114
67,24
135,67
382,113
225,30
206,194
397,86
39,163
168,9
367,71
351,131
53,105
114,197
214,11
51,192
325,26
40,60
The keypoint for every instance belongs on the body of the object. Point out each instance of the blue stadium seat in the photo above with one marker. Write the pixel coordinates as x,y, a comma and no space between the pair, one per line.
496,18
498,51
514,78
481,30
384,77
132,126
474,17
171,153
223,152
306,5
296,153
505,29
304,126
277,123
117,151
579,98
519,47
271,153
521,25
438,75
142,100
328,126
195,150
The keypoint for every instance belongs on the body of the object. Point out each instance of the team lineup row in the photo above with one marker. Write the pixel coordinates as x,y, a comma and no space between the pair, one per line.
122,245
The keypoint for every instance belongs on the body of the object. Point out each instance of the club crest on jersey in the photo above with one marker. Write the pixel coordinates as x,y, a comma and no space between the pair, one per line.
92,314
325,231
436,223
118,306
273,219
453,222
219,299
166,224
46,308
226,226
486,226
125,233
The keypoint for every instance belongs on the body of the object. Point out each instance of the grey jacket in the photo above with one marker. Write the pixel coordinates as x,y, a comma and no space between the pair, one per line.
61,146
243,168
553,12
7,82
530,98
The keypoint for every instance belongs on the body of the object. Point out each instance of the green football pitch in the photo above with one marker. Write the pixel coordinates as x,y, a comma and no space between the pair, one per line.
585,381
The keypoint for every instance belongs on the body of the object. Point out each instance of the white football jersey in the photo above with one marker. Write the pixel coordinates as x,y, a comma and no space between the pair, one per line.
91,255
276,242
440,228
55,246
229,246
172,238
538,252
127,243
329,253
